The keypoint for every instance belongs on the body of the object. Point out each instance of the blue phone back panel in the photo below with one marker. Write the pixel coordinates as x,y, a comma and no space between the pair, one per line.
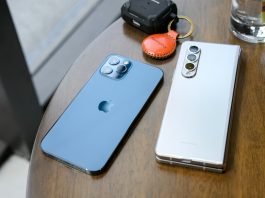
88,132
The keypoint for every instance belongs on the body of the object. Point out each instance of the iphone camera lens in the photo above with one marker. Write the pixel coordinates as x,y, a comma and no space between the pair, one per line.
121,69
114,60
190,66
191,57
194,49
106,70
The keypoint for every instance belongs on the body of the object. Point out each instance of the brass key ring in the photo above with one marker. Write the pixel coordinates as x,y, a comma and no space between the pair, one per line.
191,27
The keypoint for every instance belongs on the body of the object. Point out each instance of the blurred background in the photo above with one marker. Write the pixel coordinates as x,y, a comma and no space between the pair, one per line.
39,41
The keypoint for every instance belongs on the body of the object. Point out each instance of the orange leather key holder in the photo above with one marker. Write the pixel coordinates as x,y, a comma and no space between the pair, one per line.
161,46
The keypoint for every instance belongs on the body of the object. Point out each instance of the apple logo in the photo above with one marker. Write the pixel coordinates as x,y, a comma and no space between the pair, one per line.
105,106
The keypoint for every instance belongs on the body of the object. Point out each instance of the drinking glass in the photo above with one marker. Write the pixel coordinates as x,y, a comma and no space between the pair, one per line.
248,20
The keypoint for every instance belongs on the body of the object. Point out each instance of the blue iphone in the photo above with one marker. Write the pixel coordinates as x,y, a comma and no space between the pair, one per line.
93,125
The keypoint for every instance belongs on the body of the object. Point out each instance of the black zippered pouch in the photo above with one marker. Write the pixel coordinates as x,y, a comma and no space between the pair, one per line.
150,16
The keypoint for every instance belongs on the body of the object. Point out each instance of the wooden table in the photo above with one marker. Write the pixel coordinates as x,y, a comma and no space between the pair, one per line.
135,173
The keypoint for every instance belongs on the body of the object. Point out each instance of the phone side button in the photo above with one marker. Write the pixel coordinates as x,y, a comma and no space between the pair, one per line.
186,161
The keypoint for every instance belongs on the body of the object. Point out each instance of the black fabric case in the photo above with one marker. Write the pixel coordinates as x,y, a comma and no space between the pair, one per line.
150,16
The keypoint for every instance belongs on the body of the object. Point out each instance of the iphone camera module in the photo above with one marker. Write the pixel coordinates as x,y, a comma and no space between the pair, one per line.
191,61
115,67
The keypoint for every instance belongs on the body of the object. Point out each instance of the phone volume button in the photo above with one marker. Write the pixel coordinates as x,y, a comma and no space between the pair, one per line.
186,161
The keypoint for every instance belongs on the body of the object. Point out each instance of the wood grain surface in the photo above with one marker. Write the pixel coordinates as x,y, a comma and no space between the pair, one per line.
135,172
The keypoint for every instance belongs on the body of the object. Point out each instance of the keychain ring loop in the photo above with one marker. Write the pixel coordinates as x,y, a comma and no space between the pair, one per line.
191,26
